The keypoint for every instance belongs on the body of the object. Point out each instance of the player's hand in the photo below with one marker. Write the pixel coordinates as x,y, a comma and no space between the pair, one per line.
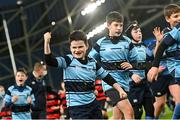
126,66
14,98
122,94
136,78
47,37
161,69
158,34
152,74
29,100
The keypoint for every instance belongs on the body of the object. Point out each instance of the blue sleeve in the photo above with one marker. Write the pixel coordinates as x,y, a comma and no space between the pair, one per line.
7,99
94,53
149,52
61,62
100,73
33,99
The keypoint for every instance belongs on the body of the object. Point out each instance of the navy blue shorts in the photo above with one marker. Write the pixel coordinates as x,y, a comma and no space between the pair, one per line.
114,96
138,93
89,111
160,87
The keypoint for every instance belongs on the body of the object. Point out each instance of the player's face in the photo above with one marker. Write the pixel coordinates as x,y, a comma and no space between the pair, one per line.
115,28
20,78
174,19
78,49
42,72
136,34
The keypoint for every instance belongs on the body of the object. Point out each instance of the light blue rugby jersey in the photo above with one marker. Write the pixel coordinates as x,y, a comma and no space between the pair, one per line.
137,55
80,79
22,100
109,52
175,33
165,62
173,63
22,96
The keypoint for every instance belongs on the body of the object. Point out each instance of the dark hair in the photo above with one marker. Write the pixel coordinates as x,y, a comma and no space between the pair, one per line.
23,70
38,66
114,16
170,9
132,26
78,35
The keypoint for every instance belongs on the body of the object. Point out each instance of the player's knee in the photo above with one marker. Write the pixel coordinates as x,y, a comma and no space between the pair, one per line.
160,103
130,112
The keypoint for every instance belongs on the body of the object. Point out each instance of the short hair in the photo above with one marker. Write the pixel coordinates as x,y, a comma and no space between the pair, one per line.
23,70
170,9
114,16
132,26
38,66
78,35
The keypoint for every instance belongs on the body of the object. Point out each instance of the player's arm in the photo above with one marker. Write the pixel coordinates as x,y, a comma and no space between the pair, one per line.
47,51
167,41
106,77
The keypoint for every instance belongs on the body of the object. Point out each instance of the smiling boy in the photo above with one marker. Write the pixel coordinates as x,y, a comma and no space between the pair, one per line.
80,72
19,97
